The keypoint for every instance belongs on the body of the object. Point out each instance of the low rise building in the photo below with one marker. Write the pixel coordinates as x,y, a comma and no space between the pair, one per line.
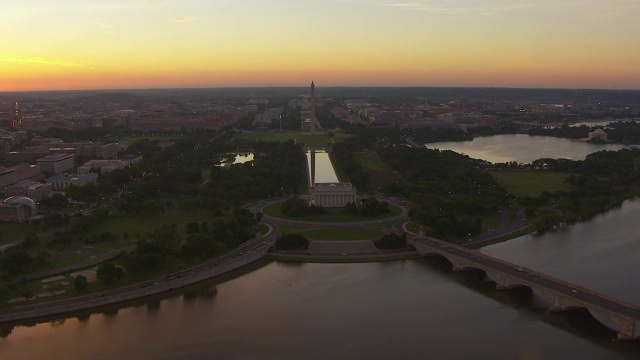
30,189
12,175
61,182
107,166
17,209
56,163
333,194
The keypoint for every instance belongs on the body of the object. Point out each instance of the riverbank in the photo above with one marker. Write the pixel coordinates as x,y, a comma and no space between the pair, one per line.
203,272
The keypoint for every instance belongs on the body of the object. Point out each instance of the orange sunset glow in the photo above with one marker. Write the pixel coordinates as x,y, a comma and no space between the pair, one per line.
147,44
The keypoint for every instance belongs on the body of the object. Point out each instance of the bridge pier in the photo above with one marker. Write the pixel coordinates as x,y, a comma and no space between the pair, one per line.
560,303
562,296
627,328
504,282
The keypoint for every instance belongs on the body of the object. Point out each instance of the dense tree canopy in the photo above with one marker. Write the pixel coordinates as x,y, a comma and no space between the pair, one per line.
452,194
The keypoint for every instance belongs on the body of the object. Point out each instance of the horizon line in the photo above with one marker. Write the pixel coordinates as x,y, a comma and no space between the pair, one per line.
306,86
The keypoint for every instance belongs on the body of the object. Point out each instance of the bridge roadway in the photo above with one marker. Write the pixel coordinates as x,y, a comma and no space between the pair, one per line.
562,295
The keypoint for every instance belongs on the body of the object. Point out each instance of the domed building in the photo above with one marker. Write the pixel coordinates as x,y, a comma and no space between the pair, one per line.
17,209
598,134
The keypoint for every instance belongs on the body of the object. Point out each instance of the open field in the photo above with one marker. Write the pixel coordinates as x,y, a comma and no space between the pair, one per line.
206,174
142,224
318,140
370,162
491,222
378,171
171,137
12,233
531,183
275,210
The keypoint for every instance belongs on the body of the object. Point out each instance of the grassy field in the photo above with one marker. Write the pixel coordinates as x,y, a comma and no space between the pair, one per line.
378,171
370,162
171,137
531,183
12,233
275,210
317,140
143,224
206,174
491,222
340,234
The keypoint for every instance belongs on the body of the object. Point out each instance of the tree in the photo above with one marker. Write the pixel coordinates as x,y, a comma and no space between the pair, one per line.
80,283
109,272
192,228
43,258
392,241
5,292
30,240
26,293
292,242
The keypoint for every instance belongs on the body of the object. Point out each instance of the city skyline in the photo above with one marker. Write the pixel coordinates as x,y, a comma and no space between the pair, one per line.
121,44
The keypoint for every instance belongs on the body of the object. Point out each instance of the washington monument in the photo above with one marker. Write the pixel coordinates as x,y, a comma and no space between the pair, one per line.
313,122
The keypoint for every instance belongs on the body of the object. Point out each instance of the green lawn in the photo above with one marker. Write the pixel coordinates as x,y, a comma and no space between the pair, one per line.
152,137
275,210
206,174
531,183
318,140
341,234
370,162
12,233
491,222
413,227
379,173
143,224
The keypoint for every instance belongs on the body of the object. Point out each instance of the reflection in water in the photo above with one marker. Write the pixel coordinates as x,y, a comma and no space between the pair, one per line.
522,148
345,311
83,317
324,168
153,307
206,292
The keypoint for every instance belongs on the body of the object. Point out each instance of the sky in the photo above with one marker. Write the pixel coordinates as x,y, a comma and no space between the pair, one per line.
118,44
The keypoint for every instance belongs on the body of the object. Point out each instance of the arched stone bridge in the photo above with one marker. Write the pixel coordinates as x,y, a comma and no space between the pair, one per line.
561,294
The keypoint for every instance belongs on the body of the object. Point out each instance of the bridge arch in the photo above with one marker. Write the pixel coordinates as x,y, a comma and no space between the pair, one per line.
561,295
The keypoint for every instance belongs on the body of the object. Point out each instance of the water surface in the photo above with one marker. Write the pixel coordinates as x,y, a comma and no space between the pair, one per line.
523,148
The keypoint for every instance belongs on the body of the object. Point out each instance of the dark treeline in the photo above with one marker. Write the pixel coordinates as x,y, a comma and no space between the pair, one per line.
565,131
603,180
627,132
452,195
343,156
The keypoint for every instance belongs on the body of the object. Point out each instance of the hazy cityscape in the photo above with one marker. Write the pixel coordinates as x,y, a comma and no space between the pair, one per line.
327,179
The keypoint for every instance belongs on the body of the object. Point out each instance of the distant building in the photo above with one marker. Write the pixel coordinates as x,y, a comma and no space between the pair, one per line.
598,134
328,194
86,149
333,194
107,166
61,182
17,209
30,189
56,163
12,175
